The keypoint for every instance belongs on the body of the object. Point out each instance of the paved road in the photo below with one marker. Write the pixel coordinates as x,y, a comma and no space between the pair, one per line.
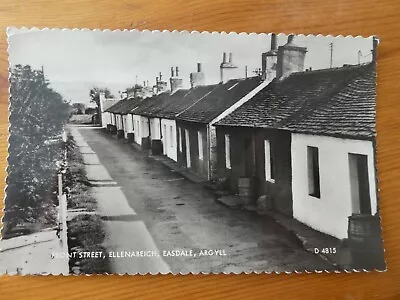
181,215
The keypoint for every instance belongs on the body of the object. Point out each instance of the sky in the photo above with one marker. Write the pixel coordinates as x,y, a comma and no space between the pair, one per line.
74,61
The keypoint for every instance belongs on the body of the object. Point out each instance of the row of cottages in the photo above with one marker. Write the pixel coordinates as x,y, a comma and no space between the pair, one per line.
306,143
178,123
117,116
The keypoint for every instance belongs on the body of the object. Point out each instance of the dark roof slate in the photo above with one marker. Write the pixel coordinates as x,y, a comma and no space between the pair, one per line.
221,97
124,106
149,104
182,100
334,102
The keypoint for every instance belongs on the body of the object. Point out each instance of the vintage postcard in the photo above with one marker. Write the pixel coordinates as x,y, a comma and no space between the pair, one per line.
136,152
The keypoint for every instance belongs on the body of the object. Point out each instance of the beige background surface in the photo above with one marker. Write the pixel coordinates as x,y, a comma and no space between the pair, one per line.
311,16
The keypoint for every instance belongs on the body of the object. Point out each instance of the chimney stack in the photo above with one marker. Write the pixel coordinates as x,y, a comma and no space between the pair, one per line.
290,58
227,69
197,78
102,96
175,82
269,60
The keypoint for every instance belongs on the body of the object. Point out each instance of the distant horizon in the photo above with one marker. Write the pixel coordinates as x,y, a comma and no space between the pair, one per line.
75,61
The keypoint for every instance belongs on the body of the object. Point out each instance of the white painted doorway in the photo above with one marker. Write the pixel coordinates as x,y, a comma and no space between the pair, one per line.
187,142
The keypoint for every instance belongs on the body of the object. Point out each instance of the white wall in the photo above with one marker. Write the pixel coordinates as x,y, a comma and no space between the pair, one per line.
129,123
119,122
155,129
330,212
125,123
137,129
111,118
169,138
141,128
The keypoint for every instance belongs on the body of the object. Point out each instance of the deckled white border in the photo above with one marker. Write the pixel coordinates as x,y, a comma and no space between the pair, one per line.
146,31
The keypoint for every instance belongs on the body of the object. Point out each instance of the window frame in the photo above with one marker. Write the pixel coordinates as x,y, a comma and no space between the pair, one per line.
200,145
269,171
228,163
313,172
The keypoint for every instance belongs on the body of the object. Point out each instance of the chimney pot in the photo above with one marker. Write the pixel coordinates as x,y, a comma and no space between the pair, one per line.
224,58
230,57
273,41
290,38
199,67
176,71
172,71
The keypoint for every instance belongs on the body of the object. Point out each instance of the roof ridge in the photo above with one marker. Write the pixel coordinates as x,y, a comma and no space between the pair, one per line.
341,68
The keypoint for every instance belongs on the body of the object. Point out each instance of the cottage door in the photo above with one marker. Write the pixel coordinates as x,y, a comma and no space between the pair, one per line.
165,138
187,142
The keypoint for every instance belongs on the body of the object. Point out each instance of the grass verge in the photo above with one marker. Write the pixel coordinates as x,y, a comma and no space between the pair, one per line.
85,231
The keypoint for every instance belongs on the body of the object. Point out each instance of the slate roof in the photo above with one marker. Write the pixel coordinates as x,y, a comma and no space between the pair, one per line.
149,104
221,98
334,102
124,106
113,107
182,100
158,103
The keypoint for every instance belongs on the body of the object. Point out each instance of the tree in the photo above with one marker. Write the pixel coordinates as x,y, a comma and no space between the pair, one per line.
37,118
78,108
95,97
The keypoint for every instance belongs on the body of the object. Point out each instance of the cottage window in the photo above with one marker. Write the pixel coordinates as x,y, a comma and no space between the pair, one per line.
180,139
359,184
313,172
228,151
200,144
171,137
268,161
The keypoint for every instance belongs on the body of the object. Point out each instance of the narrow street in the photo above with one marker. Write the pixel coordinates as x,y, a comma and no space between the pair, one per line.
180,214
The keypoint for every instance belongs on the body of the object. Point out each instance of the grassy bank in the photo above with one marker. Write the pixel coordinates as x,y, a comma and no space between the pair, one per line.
85,231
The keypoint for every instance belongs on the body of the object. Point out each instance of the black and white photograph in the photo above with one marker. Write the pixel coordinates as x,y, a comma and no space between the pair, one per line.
147,152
